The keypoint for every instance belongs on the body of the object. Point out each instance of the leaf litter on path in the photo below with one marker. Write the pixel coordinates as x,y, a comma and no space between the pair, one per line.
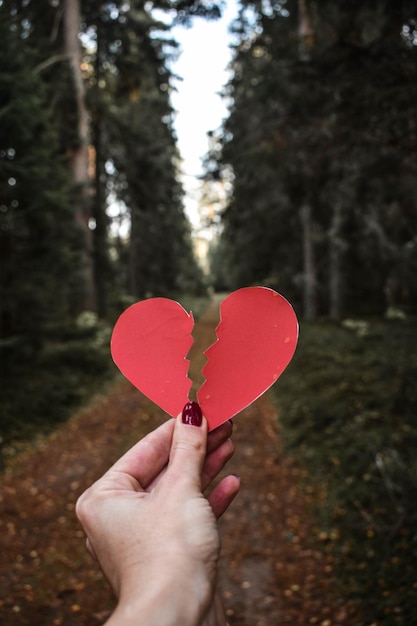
272,570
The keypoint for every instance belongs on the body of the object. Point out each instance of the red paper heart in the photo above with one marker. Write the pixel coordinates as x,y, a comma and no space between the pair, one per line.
257,337
149,345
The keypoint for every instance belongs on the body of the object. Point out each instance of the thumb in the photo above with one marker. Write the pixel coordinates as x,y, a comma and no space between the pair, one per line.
189,444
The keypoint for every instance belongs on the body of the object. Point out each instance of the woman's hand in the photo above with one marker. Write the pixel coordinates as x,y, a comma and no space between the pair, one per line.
153,531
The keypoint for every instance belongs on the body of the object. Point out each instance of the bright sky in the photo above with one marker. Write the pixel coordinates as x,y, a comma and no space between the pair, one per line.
203,67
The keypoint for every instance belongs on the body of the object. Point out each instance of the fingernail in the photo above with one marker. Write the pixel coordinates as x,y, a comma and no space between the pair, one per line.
191,414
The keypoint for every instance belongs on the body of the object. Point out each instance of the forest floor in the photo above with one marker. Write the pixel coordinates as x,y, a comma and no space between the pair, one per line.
272,568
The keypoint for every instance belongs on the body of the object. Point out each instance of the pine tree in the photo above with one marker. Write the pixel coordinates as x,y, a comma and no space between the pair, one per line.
135,151
320,140
38,239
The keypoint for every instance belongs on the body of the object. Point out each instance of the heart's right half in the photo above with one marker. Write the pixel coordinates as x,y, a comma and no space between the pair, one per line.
256,339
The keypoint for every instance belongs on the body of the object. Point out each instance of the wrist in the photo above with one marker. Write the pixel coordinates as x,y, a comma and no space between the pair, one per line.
163,600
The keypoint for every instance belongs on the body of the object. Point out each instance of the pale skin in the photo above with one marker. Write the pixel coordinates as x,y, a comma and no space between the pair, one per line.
153,531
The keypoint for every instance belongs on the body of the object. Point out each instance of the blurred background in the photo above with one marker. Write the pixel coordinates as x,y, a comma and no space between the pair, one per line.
307,184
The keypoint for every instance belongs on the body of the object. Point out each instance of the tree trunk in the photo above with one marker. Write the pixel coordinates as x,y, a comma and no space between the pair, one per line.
305,32
100,252
335,258
310,281
79,156
101,265
305,45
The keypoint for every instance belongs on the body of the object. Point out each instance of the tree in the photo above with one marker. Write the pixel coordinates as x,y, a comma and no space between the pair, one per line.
39,244
135,151
119,104
79,159
318,138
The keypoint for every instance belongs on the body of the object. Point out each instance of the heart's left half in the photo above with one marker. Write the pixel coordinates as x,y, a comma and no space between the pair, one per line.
149,344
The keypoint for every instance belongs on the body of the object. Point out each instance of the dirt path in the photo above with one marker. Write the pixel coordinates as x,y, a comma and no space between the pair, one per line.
272,571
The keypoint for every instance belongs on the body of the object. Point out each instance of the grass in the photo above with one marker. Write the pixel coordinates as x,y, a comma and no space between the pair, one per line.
348,407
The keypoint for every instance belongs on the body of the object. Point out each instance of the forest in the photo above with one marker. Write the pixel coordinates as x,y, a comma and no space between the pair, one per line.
319,146
313,179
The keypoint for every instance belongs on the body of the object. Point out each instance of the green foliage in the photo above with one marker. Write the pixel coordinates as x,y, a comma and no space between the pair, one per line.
43,273
347,409
323,116
38,238
128,94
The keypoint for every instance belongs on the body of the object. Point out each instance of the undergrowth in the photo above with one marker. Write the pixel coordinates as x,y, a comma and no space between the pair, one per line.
348,413
43,384
40,388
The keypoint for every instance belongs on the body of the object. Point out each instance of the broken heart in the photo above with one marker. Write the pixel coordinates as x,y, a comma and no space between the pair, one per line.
256,339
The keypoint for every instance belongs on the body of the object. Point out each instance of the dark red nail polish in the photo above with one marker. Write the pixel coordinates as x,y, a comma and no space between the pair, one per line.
191,414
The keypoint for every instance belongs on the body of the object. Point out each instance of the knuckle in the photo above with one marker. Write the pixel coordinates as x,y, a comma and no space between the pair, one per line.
190,445
84,506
